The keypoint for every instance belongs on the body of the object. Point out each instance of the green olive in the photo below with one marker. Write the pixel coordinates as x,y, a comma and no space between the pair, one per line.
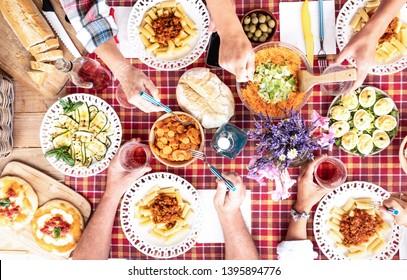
252,28
255,39
263,27
253,15
269,30
268,18
271,23
246,28
262,18
246,20
249,35
263,38
257,33
255,20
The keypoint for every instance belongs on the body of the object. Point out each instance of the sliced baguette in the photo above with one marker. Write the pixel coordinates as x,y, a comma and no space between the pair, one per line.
49,56
44,67
50,44
37,76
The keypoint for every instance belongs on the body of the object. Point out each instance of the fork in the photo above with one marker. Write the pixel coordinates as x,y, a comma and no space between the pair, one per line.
376,204
202,156
167,109
322,60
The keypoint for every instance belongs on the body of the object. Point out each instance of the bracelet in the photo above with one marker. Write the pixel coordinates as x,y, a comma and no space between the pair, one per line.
297,216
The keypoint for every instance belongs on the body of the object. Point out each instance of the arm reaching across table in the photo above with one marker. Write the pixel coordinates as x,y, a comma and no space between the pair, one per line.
362,46
95,29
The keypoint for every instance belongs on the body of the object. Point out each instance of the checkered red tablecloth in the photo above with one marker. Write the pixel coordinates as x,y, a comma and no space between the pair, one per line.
269,219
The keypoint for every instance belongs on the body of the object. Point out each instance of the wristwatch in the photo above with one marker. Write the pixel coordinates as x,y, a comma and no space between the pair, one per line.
296,216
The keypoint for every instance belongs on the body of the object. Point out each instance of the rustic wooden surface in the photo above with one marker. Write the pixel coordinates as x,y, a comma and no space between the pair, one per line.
46,189
15,59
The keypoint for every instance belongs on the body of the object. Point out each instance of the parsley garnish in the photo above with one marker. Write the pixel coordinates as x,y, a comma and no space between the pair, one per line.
69,106
57,232
61,153
5,202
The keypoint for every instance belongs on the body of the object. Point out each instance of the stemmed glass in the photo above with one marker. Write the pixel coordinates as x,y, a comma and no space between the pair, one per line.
122,98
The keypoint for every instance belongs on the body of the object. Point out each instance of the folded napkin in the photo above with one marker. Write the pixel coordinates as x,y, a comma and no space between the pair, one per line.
403,243
211,230
121,15
291,27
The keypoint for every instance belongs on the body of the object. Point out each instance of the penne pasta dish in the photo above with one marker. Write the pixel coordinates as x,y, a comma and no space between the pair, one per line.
164,211
166,29
357,227
393,42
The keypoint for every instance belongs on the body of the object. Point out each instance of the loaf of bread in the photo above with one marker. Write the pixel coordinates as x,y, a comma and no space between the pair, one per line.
203,95
26,21
50,44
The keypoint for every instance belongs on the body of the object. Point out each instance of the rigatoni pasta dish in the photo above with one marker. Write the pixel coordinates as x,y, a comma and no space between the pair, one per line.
357,227
164,211
166,29
394,40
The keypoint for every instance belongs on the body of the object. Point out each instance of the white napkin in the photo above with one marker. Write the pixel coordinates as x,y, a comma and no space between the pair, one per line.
291,27
403,243
121,15
211,230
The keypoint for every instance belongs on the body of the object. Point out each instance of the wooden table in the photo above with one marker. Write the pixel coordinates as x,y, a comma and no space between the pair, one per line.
30,108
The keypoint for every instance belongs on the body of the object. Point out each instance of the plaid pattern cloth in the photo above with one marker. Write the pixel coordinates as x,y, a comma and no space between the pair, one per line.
91,21
269,219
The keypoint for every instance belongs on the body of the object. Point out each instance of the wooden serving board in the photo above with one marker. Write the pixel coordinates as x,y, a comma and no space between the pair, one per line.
47,189
15,59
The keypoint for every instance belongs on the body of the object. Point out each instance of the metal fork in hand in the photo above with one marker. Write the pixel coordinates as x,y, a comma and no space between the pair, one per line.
202,156
322,60
375,205
167,109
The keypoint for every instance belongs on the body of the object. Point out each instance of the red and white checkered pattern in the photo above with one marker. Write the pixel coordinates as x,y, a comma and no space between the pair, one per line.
269,219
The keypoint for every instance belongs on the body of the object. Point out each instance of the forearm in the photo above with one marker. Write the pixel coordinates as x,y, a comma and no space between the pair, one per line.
112,57
96,239
385,13
224,16
297,230
239,244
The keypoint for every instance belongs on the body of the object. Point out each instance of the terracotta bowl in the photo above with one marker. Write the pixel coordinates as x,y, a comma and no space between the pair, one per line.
259,12
174,164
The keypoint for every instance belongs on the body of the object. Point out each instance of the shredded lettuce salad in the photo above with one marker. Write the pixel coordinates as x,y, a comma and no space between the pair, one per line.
275,82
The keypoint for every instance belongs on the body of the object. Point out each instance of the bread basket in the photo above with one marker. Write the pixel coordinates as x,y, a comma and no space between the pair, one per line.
6,115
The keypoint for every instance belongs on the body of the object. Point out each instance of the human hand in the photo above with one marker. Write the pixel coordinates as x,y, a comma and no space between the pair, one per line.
133,82
236,54
397,201
226,201
118,179
308,193
362,48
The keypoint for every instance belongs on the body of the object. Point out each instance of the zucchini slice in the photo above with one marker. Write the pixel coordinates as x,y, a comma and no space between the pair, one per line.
82,136
68,122
93,110
58,131
98,123
63,140
102,136
97,148
77,152
83,117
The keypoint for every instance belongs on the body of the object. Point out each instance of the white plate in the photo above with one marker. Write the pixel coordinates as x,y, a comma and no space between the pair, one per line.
378,91
47,128
140,237
403,160
195,9
344,33
337,198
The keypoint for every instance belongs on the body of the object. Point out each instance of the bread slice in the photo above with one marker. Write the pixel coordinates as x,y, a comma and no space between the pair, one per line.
49,56
50,44
26,21
37,76
41,66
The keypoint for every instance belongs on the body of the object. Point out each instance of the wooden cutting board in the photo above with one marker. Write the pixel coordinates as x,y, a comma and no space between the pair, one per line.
15,59
47,189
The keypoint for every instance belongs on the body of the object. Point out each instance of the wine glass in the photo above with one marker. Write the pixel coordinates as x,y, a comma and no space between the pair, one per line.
122,98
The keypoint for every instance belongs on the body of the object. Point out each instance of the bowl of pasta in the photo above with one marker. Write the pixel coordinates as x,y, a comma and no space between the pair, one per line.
161,215
168,35
349,225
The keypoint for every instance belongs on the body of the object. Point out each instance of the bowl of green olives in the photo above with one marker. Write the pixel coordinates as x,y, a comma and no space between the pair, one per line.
259,25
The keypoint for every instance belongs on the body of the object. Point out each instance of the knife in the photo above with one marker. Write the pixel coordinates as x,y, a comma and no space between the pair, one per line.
306,27
50,14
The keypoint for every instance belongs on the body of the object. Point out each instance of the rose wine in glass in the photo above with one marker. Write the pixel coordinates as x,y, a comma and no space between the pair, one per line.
134,155
122,98
330,172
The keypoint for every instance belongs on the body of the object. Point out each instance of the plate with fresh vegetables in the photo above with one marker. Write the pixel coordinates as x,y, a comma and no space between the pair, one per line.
364,122
80,134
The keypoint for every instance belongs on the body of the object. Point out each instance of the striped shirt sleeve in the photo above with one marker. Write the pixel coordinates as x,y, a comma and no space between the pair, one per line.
91,20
